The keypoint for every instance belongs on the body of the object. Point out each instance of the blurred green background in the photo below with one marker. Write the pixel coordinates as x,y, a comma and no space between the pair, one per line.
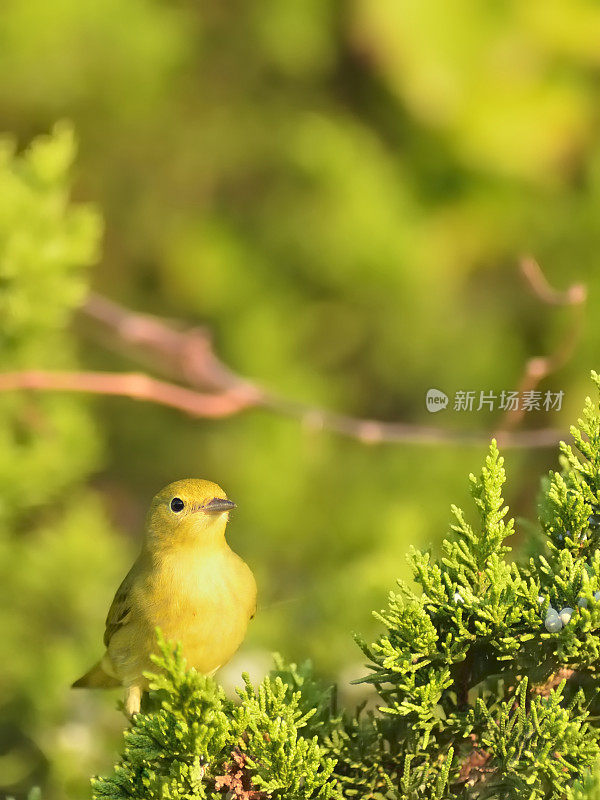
341,191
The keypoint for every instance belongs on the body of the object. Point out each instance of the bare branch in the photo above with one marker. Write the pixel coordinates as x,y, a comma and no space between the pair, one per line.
532,272
212,390
188,354
134,385
138,386
540,367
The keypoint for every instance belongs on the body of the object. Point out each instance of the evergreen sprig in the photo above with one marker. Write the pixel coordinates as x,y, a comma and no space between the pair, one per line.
536,745
193,743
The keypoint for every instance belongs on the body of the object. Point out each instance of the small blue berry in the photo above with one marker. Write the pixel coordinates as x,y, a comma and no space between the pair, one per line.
565,614
596,596
553,622
582,602
541,599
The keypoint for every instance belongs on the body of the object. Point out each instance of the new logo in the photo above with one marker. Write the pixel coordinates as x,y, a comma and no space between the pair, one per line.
436,400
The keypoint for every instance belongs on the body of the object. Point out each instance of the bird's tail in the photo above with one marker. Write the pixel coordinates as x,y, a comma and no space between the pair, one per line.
97,678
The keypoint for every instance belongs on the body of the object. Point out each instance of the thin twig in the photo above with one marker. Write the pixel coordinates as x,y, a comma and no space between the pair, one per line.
540,367
138,386
189,354
188,357
128,384
532,272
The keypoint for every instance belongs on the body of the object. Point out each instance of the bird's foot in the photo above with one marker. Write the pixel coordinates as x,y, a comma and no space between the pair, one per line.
133,700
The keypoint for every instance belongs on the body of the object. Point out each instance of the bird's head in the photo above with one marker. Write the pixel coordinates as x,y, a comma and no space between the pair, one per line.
190,511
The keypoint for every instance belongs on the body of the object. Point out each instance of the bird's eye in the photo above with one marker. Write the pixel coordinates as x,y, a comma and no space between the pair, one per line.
177,504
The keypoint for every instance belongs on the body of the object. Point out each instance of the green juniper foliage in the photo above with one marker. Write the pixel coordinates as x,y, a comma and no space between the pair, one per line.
486,678
198,744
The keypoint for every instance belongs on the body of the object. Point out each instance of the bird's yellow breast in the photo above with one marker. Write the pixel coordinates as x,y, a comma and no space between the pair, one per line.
203,600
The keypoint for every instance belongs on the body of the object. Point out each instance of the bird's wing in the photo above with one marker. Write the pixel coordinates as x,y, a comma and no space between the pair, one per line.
119,613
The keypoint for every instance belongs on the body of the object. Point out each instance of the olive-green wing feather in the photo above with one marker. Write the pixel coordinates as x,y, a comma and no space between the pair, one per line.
120,611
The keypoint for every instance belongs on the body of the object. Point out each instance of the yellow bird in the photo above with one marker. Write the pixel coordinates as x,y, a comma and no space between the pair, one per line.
188,582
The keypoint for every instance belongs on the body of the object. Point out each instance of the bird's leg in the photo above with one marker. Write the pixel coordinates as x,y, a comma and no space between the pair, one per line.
133,699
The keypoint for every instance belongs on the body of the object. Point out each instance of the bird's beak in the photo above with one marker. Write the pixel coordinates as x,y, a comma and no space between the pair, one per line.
217,505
